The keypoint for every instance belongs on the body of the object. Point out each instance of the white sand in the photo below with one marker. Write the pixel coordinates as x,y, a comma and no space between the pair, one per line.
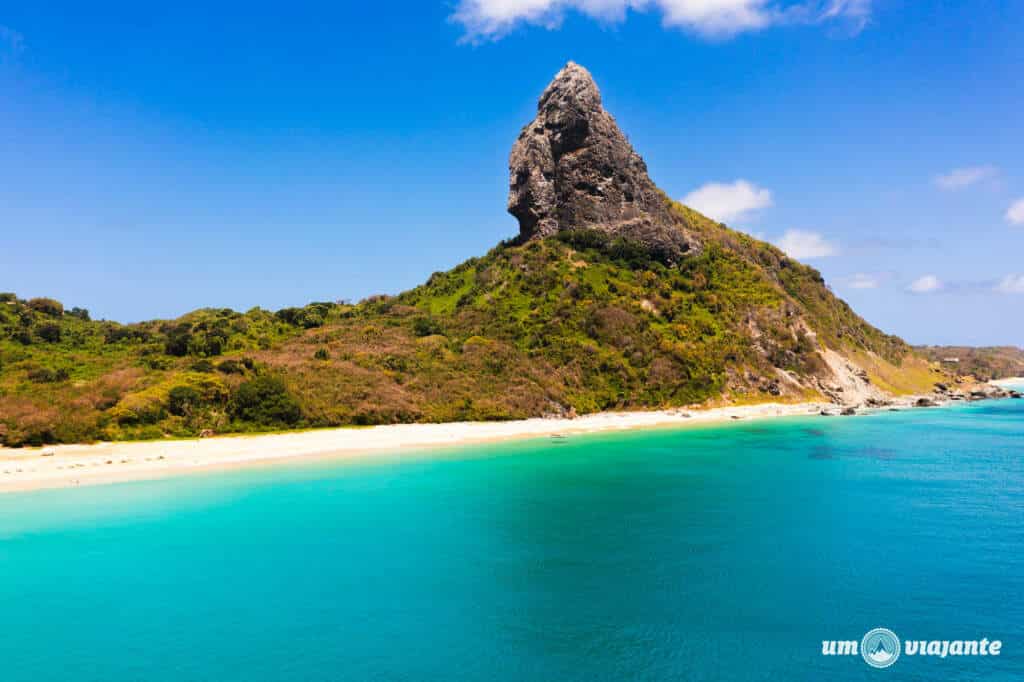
1009,382
73,465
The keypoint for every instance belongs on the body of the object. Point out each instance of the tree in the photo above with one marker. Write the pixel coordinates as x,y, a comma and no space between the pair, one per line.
265,401
49,332
46,306
178,340
182,400
426,326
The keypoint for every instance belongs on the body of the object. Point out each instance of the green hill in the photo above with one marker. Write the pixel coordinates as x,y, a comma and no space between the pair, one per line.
574,323
612,297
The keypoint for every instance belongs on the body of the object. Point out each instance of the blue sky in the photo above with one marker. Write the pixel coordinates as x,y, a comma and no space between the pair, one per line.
158,159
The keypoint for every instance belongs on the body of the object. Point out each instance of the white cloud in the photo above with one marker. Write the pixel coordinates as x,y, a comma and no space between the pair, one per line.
492,19
806,245
859,11
719,18
925,285
1011,284
863,281
728,201
959,178
1015,214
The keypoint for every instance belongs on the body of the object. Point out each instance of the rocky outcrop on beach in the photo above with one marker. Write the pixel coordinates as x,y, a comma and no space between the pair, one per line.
572,168
944,393
989,392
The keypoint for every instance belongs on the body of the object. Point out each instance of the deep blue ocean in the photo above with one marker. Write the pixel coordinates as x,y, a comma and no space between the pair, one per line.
704,553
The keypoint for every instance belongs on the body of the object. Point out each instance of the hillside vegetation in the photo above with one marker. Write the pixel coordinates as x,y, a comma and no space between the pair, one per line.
575,323
985,363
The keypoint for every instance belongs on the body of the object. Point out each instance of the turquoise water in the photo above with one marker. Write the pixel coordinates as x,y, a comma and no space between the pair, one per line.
708,553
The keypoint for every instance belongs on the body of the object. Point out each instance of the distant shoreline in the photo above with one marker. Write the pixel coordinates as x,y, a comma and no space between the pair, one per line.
64,466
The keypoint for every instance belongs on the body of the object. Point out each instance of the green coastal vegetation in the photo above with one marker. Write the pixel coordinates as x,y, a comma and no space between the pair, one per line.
984,363
572,324
612,297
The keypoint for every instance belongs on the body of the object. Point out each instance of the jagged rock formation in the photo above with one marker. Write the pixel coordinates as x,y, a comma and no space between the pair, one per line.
572,168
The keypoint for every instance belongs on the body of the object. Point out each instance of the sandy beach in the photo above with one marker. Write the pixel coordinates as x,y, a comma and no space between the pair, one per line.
64,466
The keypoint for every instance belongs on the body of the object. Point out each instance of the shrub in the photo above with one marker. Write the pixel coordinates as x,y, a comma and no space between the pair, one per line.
204,366
182,400
144,407
309,317
45,375
210,386
289,315
178,341
633,253
426,326
394,363
49,332
157,363
265,401
46,306
321,308
584,239
118,333
207,344
80,313
322,354
231,367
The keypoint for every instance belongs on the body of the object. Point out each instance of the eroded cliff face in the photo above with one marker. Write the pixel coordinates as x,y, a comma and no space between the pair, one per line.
572,168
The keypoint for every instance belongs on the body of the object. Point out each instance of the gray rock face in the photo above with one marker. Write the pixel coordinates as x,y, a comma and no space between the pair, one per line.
572,168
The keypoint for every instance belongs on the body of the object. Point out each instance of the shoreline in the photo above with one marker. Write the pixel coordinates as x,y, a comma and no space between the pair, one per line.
1008,382
67,466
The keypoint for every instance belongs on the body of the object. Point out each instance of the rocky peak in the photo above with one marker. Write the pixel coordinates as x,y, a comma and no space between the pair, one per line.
573,168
